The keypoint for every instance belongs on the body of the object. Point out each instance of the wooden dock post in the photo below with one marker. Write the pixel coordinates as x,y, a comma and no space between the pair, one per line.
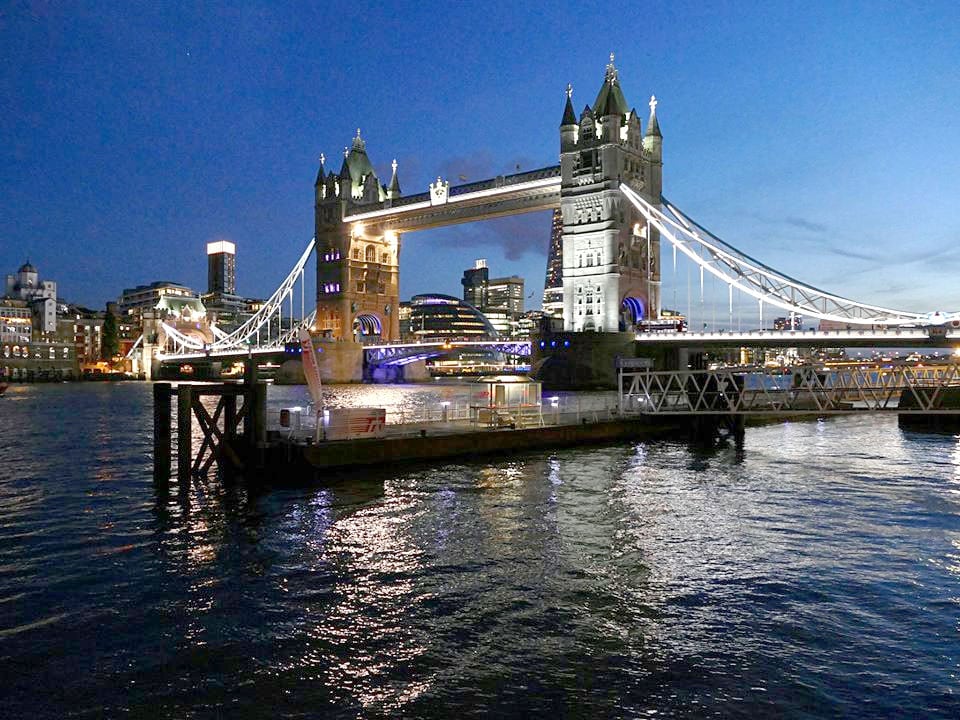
184,435
161,434
260,414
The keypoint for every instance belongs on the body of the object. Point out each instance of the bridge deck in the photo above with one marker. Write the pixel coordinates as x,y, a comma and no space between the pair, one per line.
896,337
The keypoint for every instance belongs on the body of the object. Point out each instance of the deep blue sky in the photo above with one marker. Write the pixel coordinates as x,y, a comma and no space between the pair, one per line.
822,138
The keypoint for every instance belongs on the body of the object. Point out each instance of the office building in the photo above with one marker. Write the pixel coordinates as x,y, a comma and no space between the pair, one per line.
475,281
221,267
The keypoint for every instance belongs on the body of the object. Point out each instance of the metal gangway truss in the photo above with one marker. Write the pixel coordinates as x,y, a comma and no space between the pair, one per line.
802,390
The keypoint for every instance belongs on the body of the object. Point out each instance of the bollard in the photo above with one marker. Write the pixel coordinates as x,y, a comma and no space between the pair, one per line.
161,434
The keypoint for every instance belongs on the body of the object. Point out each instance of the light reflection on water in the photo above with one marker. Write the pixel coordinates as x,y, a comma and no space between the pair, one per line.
814,574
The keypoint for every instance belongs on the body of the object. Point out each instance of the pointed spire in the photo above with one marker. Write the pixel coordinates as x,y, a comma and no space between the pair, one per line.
610,99
321,173
358,143
653,127
569,116
611,74
393,191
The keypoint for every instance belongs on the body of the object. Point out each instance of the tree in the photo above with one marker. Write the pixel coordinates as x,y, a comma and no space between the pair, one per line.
109,339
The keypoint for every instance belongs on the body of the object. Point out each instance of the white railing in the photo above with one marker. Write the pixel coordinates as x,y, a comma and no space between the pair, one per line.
463,416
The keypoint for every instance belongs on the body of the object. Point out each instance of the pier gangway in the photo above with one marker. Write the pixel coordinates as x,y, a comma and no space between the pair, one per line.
800,390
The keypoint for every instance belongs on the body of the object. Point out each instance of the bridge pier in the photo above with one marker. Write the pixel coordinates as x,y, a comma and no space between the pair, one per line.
580,360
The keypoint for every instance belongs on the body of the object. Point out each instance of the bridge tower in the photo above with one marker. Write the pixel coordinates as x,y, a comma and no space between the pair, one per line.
358,290
611,256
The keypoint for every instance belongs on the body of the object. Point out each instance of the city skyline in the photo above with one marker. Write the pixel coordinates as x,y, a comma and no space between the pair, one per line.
135,141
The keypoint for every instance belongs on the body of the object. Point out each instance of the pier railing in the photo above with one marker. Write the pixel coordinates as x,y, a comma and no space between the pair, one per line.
300,423
905,389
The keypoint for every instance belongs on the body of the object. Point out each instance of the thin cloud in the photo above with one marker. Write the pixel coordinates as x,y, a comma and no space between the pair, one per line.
515,235
803,224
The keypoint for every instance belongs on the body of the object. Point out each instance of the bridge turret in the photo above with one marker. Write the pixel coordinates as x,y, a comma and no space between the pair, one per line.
634,130
653,140
653,147
611,273
393,190
610,107
568,124
320,185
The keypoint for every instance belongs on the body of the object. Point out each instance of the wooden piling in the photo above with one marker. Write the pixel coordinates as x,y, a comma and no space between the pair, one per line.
161,434
184,435
260,414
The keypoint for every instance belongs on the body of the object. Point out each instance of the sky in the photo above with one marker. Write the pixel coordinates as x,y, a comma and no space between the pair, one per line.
820,138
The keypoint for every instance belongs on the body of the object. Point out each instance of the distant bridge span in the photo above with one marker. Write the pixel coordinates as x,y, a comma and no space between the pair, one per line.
888,337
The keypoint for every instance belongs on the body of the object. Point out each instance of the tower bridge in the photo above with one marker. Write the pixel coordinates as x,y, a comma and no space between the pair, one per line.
611,252
608,188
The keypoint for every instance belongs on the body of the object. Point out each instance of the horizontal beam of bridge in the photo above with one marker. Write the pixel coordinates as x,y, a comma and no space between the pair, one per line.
497,197
236,353
898,337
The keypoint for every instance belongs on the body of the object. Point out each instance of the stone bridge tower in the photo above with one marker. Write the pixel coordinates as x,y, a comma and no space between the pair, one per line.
611,257
358,292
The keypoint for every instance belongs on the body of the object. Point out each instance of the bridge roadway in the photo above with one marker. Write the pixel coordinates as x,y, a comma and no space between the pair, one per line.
894,337
406,353
403,353
393,354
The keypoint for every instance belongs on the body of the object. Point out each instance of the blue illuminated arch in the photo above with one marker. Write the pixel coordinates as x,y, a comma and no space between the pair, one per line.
636,308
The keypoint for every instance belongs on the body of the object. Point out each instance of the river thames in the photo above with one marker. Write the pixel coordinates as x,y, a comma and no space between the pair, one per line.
814,574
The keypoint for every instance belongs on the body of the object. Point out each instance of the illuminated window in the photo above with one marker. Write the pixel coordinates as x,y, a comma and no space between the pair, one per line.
371,254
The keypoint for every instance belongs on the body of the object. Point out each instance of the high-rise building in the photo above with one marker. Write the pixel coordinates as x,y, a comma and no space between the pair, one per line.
553,284
221,267
475,281
505,293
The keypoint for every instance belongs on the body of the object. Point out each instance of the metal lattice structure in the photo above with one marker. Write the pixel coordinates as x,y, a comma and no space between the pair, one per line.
804,390
267,330
756,279
412,352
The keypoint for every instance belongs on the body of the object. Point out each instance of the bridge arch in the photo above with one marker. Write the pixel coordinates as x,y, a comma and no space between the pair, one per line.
633,310
367,327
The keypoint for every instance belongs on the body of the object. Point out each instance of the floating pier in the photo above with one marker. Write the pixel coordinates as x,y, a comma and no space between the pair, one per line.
235,437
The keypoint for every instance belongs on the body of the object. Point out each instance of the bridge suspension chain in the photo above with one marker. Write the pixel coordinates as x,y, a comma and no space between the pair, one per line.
754,278
273,306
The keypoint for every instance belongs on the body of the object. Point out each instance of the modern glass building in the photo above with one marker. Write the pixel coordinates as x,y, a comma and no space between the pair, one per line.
443,317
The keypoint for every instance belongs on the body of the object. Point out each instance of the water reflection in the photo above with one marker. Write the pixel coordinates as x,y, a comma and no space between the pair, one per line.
816,573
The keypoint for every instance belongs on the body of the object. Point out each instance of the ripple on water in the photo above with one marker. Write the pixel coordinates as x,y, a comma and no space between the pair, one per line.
815,574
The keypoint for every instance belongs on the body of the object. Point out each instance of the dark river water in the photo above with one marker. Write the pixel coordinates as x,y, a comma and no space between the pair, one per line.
814,574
